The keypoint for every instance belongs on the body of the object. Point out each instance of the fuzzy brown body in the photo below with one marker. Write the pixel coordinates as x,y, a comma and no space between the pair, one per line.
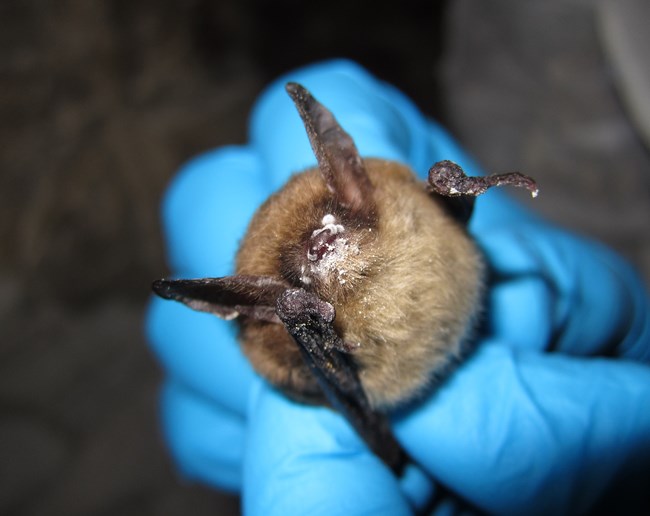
405,283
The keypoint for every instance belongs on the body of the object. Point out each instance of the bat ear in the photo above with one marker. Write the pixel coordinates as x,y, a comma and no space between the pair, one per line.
337,155
227,297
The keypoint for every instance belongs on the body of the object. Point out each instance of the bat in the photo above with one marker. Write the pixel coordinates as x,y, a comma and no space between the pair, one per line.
356,284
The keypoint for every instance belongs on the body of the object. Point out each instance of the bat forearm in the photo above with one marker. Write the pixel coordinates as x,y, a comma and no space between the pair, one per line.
309,321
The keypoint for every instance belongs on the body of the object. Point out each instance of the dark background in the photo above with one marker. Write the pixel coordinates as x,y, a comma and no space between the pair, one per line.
101,101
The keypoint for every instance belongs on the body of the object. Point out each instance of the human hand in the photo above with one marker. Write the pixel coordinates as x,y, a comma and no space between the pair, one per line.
514,428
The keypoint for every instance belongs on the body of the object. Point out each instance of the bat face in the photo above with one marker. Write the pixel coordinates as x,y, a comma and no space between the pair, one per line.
405,282
355,283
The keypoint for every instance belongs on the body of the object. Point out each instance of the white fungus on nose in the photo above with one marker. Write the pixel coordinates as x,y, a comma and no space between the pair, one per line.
329,224
326,257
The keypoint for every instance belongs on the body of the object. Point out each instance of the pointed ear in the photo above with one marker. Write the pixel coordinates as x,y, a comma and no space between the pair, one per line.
338,158
227,297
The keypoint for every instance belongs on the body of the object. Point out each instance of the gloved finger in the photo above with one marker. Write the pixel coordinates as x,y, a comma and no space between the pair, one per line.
205,440
522,432
207,209
201,352
556,291
308,460
205,213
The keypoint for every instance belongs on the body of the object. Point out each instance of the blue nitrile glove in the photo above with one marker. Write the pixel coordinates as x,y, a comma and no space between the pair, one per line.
550,413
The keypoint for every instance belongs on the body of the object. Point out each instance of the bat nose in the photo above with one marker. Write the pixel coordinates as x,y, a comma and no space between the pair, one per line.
320,244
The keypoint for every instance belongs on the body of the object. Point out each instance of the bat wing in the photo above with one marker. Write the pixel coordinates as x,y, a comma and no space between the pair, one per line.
227,297
309,320
459,191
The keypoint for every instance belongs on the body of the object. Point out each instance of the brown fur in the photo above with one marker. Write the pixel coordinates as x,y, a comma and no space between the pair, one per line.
405,286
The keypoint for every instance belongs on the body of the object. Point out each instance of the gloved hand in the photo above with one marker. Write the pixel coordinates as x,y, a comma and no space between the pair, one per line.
549,414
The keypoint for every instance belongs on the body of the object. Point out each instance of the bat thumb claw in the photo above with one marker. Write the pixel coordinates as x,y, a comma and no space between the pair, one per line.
295,303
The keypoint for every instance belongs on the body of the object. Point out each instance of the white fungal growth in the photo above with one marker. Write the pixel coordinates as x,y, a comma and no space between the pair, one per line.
336,252
341,275
328,219
327,258
330,261
303,277
329,224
